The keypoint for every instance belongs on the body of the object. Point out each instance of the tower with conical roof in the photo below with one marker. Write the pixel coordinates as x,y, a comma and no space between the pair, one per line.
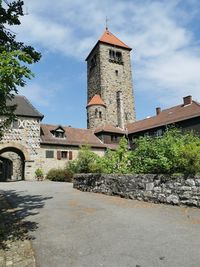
109,83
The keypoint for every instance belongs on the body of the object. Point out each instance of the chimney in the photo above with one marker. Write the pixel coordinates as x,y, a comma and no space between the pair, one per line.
158,110
187,100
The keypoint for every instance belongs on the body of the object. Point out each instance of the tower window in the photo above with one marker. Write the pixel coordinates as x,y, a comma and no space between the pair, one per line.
96,113
115,56
118,56
116,72
100,114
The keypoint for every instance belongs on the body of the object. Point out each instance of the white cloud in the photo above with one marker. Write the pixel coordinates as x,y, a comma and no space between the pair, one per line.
38,94
166,56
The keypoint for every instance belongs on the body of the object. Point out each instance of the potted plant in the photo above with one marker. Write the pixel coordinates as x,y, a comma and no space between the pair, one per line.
39,175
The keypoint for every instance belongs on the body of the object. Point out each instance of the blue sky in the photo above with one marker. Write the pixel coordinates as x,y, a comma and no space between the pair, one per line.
164,35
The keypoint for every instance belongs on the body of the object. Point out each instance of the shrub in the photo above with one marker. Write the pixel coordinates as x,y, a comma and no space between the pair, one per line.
86,162
117,161
190,159
39,173
60,175
174,152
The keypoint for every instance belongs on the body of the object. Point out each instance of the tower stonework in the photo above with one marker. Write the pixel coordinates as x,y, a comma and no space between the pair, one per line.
109,76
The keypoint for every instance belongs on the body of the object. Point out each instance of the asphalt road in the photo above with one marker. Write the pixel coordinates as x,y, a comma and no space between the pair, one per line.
75,229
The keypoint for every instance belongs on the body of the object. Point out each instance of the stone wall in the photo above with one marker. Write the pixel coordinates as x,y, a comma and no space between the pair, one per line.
175,190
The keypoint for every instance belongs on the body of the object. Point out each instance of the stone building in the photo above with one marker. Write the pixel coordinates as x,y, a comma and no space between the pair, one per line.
28,144
109,82
20,145
185,116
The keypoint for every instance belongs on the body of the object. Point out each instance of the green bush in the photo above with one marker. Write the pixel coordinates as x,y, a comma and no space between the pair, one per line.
39,173
117,161
60,175
86,162
174,152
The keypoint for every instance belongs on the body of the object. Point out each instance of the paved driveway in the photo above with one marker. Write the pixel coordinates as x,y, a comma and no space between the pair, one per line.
74,228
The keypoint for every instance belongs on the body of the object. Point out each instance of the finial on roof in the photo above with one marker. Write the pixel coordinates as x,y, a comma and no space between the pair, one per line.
107,23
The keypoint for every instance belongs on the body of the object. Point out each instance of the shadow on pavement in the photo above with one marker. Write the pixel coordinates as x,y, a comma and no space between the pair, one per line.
14,211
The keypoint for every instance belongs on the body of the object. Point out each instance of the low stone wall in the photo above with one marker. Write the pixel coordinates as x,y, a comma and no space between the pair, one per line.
170,189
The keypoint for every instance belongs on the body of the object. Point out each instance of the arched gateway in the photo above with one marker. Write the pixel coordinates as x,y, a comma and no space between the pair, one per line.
12,162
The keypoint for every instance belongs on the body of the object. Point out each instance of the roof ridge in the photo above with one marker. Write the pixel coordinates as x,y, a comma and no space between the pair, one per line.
64,126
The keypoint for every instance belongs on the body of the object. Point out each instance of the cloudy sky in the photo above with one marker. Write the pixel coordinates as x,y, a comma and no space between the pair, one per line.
164,35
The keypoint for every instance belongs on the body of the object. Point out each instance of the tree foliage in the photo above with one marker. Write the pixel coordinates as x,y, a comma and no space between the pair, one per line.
14,58
174,152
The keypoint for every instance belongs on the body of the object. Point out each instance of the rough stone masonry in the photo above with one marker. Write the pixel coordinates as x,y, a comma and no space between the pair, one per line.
169,189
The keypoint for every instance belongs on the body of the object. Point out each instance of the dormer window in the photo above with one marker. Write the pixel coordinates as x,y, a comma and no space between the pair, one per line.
58,133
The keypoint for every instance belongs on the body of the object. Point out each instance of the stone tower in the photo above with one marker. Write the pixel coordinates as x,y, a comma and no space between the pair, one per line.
109,83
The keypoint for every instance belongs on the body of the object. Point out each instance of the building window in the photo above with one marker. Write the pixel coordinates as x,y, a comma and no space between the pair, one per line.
114,138
58,133
100,114
118,56
64,154
96,113
111,54
49,154
115,57
116,72
159,132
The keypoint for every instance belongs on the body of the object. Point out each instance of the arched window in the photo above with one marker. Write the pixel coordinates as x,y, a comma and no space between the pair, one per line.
100,114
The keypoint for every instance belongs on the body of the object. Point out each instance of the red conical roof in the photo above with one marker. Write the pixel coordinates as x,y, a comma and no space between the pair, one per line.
109,38
96,100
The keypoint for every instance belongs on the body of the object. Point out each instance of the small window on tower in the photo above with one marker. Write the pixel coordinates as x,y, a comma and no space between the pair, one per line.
100,114
119,56
116,72
96,113
111,54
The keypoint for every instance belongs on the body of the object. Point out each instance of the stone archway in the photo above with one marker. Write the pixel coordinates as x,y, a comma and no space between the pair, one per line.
12,163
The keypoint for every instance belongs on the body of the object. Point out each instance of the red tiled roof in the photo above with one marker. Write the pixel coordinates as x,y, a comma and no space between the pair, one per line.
167,116
109,128
73,136
110,38
96,100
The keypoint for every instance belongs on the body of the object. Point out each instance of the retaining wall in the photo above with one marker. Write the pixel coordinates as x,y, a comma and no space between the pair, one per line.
170,189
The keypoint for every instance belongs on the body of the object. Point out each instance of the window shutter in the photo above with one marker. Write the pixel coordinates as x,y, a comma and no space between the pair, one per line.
70,155
58,155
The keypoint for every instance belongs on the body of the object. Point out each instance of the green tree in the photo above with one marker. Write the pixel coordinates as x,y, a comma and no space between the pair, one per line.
87,161
117,161
174,152
14,58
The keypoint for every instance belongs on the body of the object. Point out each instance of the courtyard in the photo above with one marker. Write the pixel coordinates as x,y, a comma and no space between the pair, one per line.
72,228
